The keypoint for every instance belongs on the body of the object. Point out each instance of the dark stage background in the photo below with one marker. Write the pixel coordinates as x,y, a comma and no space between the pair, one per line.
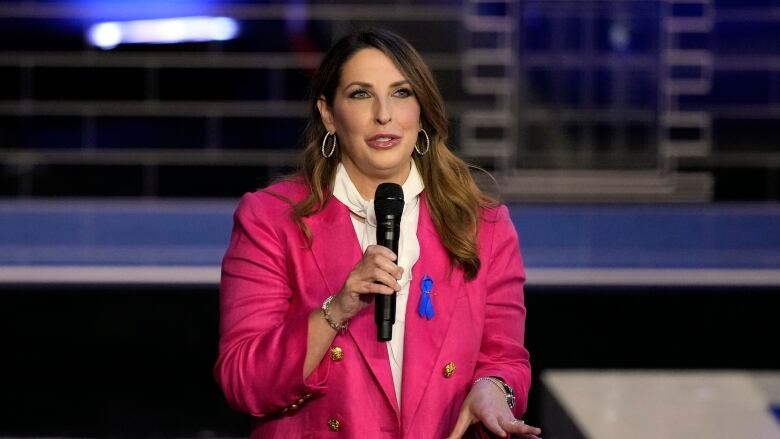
118,361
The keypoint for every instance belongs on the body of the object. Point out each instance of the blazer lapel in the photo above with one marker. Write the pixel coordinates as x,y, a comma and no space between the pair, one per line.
336,251
424,338
334,245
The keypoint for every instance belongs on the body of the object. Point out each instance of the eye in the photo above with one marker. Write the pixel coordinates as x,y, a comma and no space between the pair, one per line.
403,93
360,93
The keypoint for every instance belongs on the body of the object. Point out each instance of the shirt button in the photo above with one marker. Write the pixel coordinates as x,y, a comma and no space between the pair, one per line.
336,353
334,424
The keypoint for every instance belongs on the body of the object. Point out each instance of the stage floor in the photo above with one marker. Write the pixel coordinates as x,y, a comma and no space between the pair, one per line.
647,404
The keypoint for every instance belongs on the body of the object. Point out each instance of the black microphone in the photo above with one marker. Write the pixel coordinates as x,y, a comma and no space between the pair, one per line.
388,206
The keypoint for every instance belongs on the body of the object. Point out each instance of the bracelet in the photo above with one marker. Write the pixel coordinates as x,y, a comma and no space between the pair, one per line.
509,393
492,380
329,319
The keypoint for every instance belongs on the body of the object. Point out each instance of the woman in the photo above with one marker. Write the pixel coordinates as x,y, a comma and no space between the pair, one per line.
298,347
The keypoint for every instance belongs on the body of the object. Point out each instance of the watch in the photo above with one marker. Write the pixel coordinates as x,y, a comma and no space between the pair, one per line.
509,393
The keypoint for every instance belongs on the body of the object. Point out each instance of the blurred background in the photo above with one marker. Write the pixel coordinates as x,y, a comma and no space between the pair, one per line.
637,144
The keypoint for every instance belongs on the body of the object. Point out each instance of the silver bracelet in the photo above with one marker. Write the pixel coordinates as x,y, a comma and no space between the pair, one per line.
329,319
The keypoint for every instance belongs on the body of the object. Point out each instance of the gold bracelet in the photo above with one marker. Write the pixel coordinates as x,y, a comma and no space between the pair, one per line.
329,319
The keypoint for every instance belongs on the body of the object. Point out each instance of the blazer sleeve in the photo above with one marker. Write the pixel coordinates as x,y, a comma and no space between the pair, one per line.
502,352
262,343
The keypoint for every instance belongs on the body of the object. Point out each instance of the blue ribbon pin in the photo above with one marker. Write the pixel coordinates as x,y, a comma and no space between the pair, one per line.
425,308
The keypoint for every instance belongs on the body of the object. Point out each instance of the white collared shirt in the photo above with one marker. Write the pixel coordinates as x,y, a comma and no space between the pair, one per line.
408,250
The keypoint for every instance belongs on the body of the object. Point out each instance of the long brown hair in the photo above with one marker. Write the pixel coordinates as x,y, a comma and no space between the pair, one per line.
454,200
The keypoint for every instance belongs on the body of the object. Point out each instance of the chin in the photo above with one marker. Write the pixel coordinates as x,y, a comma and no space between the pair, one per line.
387,169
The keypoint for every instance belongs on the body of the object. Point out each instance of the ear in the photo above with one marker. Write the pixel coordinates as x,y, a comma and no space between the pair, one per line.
326,114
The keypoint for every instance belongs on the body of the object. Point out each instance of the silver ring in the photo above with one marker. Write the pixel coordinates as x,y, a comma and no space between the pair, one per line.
517,421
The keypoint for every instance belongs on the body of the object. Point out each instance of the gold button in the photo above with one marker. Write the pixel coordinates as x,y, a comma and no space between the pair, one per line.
449,369
336,353
294,407
307,396
334,424
300,401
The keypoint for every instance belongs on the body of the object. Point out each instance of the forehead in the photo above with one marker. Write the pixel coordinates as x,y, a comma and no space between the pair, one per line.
372,66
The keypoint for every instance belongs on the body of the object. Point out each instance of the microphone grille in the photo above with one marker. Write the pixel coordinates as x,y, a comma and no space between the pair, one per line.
389,199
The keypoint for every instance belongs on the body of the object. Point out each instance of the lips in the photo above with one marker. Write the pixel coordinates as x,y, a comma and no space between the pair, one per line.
383,141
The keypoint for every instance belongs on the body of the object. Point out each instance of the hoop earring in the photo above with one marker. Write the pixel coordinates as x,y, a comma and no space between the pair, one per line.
427,143
332,148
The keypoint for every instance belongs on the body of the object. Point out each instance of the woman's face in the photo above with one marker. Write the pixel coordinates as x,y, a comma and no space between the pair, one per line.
376,118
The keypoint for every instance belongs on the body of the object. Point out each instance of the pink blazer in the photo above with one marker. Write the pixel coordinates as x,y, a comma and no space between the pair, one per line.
271,281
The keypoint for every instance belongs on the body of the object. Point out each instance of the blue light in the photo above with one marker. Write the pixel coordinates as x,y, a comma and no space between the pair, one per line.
124,10
108,35
105,35
619,36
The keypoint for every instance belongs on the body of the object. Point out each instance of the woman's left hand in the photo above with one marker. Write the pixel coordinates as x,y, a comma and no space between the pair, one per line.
486,403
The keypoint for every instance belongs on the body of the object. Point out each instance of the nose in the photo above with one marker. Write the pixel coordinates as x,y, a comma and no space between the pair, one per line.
382,111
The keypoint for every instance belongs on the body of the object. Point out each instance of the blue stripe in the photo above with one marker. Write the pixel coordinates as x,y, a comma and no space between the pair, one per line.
707,236
552,236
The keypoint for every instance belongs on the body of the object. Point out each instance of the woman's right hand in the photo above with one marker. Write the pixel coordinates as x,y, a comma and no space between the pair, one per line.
377,265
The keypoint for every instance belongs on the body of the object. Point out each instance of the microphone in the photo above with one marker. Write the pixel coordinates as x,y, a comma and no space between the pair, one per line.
388,206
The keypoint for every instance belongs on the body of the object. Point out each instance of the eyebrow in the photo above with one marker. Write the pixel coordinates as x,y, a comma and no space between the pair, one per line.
367,85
